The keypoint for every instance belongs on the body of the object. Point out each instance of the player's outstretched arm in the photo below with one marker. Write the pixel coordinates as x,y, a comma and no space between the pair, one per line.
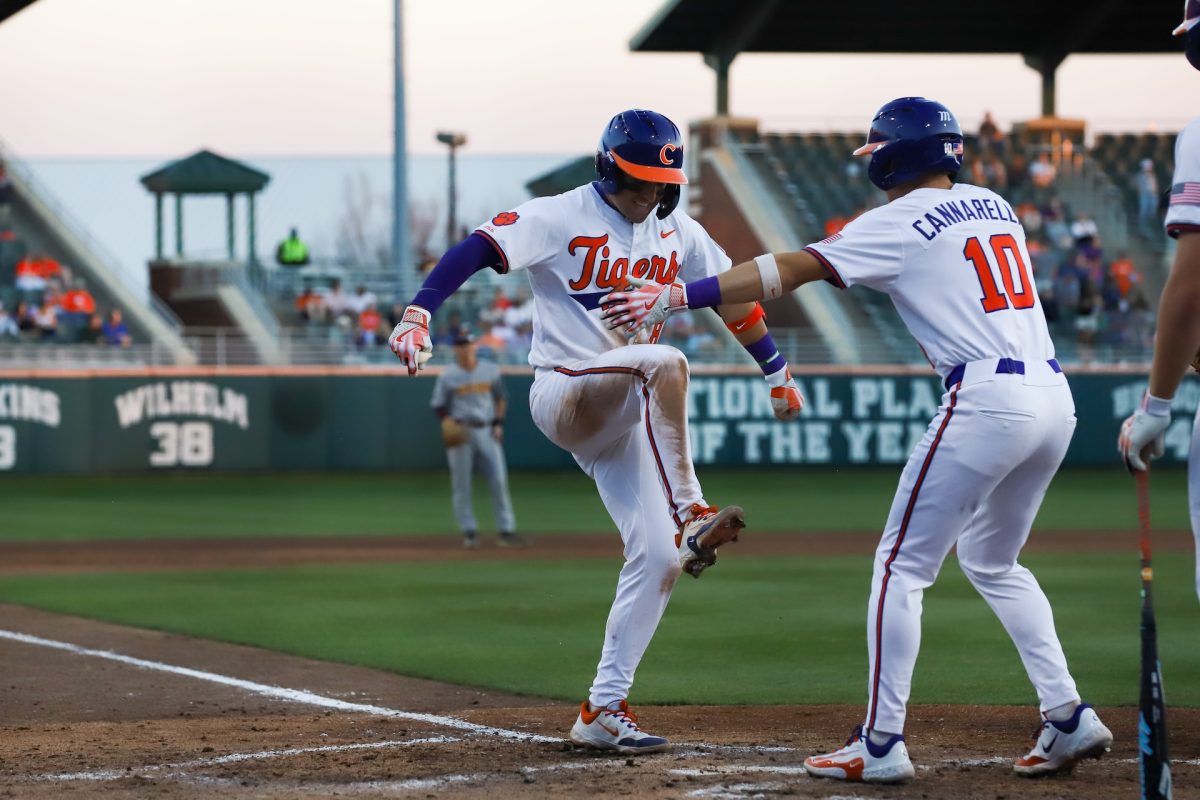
410,338
764,278
747,322
1175,346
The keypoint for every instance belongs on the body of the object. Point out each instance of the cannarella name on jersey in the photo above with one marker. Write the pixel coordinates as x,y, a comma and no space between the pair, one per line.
953,212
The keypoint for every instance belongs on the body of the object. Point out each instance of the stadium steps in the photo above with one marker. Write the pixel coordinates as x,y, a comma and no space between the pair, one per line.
804,179
46,226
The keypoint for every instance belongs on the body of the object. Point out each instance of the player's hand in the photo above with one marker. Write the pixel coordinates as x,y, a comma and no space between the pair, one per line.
1143,437
786,400
410,339
498,433
645,305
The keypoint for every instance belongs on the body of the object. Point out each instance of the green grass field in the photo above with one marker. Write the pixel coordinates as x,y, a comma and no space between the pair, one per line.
221,506
760,631
755,630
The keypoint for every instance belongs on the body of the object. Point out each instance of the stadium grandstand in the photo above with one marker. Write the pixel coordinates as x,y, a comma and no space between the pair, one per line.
1091,204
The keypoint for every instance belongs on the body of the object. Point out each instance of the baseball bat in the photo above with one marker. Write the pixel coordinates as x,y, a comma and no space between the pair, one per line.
1153,764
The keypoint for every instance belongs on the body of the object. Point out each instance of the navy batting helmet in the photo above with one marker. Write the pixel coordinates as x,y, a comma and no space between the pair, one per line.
643,146
1190,29
911,137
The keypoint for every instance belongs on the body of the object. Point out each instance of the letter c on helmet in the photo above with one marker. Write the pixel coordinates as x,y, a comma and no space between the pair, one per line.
663,153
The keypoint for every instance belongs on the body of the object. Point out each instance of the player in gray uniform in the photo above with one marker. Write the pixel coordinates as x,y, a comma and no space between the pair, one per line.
471,392
1178,337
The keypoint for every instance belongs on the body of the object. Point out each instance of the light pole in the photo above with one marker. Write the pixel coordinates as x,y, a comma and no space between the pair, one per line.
453,141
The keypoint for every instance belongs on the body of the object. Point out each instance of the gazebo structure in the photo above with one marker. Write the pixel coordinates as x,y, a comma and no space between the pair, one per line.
205,172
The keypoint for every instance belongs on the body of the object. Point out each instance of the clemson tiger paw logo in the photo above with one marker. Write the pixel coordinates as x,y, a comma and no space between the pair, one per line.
505,218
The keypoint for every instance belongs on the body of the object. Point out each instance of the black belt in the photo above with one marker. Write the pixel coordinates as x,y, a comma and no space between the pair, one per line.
1004,366
475,424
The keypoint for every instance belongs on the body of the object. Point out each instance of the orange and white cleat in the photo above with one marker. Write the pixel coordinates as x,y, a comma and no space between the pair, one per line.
707,529
614,729
860,761
1059,746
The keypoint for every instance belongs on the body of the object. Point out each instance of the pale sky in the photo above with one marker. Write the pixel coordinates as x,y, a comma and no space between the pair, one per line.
309,77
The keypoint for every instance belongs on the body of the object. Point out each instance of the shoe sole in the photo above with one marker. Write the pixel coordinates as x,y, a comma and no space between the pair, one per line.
609,747
880,776
722,529
1095,751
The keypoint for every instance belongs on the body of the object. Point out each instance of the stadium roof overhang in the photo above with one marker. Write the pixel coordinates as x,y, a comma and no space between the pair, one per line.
1043,32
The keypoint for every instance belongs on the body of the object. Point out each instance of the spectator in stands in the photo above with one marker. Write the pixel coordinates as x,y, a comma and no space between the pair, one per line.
500,300
1054,215
1146,183
310,307
360,301
24,317
77,306
93,332
989,131
994,173
30,279
1084,231
45,317
12,250
8,325
1042,172
292,251
1125,274
116,332
369,322
336,300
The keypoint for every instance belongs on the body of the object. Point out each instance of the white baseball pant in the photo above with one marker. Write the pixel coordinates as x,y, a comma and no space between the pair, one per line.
623,416
977,478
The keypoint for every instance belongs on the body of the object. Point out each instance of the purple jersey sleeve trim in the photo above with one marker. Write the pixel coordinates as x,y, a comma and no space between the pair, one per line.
834,277
460,262
502,266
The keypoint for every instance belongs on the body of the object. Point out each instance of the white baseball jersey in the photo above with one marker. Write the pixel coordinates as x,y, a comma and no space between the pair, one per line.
955,264
1183,213
577,249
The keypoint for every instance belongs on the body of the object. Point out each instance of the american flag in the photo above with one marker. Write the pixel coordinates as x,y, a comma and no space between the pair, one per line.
1185,194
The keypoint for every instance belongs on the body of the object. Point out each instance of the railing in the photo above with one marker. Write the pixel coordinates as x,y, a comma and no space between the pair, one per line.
83,356
78,230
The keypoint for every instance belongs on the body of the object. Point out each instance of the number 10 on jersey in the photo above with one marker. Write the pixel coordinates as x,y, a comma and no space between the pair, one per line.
1009,261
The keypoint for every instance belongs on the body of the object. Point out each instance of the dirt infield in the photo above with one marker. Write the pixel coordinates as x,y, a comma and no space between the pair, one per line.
90,709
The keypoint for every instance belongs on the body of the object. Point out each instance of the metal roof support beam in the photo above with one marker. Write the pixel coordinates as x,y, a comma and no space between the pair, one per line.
723,54
1047,65
1084,26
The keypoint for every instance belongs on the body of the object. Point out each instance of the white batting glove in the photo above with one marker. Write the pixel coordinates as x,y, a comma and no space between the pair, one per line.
410,339
1143,433
644,306
786,400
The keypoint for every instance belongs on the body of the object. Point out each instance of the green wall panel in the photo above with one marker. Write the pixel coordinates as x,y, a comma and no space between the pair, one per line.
383,421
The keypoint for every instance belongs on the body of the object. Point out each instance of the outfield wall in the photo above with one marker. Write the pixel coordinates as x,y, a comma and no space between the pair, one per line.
375,419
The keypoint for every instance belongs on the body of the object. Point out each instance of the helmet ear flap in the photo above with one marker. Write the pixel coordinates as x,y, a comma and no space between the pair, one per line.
670,199
1192,50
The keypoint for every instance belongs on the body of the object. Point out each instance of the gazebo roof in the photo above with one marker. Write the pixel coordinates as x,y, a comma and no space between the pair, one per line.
205,172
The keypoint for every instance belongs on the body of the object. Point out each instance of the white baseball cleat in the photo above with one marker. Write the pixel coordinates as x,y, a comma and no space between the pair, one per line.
706,530
614,729
1059,746
861,761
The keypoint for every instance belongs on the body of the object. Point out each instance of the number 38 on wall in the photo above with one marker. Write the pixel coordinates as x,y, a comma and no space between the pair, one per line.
186,444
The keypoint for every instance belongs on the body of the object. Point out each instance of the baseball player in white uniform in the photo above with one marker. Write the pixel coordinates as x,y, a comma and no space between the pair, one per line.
1177,341
619,408
953,259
